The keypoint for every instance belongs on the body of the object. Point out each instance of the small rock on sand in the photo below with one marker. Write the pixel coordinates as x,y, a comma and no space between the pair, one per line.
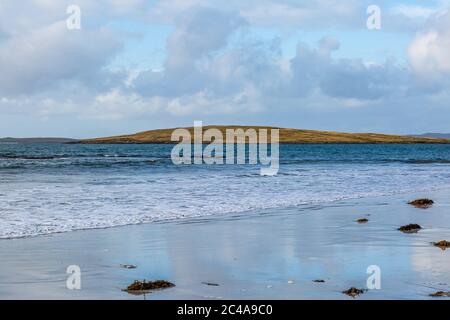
210,284
421,203
353,292
410,228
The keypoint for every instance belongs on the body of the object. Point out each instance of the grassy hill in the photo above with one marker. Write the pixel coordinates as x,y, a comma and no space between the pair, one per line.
286,136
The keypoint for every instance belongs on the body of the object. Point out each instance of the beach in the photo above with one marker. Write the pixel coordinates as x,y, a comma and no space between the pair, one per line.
265,254
224,150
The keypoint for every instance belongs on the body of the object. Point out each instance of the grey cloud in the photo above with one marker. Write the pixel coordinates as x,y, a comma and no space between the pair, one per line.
200,60
199,34
353,79
286,13
315,68
200,31
212,67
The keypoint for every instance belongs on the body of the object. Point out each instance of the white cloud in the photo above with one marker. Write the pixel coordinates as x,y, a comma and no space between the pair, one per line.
201,103
199,31
287,13
429,51
114,105
50,55
213,66
413,11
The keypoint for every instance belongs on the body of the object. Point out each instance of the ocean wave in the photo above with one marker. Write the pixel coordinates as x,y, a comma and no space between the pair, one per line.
428,161
64,162
364,161
16,157
82,187
73,164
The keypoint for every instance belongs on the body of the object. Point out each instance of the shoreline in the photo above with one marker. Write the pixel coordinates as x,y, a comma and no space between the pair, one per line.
256,212
275,254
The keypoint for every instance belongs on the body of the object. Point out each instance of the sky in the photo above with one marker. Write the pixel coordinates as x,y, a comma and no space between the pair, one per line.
138,65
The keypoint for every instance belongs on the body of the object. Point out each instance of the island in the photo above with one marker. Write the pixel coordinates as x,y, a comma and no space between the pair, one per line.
286,136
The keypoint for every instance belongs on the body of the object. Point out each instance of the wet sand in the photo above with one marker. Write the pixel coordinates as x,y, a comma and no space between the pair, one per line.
274,254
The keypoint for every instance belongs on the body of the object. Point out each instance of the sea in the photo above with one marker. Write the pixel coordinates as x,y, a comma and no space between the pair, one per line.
52,188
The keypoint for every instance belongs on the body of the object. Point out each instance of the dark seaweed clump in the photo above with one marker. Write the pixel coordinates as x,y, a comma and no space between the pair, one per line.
353,292
149,285
443,244
421,203
410,228
440,294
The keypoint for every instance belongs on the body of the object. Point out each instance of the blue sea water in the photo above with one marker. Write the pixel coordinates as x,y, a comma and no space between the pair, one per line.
48,188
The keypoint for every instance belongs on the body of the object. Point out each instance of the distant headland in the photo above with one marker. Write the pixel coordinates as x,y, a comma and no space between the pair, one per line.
36,140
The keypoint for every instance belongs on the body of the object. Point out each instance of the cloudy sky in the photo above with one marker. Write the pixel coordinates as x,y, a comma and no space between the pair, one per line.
137,65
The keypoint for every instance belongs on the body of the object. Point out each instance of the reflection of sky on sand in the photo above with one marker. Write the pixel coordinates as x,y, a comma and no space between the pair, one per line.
250,257
301,246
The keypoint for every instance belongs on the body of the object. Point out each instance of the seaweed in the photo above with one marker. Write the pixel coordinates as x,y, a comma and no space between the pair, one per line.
440,294
146,286
443,244
421,203
353,292
410,228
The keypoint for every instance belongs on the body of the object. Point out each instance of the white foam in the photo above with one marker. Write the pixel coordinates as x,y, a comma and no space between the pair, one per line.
43,203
